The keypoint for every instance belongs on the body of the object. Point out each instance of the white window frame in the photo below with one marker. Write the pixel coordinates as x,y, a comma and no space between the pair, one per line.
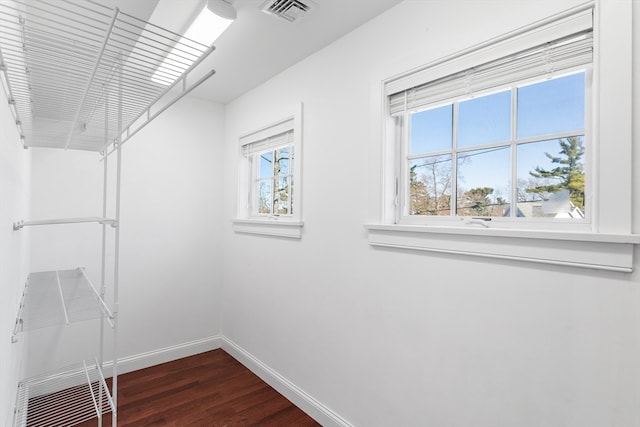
607,241
284,132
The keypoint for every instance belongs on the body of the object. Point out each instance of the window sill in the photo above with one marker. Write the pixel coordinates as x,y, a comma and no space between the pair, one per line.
269,227
613,252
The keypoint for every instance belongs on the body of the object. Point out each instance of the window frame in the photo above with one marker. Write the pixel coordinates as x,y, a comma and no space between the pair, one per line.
248,220
610,242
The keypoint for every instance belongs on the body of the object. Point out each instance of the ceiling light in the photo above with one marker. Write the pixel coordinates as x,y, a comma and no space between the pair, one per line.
222,8
211,22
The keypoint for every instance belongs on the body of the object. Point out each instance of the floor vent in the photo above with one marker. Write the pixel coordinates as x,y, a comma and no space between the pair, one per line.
290,10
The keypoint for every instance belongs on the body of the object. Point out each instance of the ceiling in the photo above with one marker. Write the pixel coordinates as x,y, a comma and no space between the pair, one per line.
258,46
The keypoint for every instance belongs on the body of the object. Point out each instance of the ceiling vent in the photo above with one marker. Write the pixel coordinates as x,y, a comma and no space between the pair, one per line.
291,10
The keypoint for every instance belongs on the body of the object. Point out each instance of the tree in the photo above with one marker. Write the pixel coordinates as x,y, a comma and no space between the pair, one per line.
429,191
476,202
568,175
275,189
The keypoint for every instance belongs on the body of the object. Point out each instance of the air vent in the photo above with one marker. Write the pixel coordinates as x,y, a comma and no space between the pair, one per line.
291,10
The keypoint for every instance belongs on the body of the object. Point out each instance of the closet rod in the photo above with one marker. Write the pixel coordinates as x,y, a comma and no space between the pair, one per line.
152,117
182,79
22,224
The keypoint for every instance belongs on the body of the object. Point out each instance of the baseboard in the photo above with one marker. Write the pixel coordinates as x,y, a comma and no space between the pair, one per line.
299,397
163,355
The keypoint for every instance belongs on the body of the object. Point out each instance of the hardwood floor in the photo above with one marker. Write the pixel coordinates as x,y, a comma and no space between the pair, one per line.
211,389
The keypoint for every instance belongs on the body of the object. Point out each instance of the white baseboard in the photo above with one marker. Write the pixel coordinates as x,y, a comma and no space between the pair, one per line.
163,355
299,397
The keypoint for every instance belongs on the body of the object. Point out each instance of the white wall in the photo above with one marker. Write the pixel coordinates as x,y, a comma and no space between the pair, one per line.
14,254
170,268
386,337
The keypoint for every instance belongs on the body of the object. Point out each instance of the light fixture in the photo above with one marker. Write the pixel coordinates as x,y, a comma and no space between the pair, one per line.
213,20
222,8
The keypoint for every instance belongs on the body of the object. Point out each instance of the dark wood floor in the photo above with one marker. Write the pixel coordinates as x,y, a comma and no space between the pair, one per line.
209,389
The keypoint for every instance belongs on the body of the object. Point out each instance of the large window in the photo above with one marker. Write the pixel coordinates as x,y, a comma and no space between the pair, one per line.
518,152
517,148
505,140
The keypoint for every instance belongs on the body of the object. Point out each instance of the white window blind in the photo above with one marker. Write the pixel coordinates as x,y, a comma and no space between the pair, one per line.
268,144
568,45
266,139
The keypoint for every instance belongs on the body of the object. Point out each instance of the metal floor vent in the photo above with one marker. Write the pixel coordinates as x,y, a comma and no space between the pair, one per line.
291,10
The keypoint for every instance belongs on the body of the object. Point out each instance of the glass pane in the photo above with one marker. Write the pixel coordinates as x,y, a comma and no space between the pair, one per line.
266,165
485,119
484,182
282,161
551,106
431,130
430,186
551,178
264,196
281,197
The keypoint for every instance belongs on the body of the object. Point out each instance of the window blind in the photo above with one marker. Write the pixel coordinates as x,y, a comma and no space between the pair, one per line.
552,57
268,144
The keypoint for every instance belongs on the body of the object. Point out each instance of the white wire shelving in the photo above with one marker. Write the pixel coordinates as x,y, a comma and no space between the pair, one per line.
79,75
53,298
66,397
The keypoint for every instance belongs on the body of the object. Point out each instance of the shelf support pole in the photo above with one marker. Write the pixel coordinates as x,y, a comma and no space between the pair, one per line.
116,264
103,266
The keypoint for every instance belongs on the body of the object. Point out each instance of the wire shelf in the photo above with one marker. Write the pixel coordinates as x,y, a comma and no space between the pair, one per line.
21,224
59,297
78,73
63,398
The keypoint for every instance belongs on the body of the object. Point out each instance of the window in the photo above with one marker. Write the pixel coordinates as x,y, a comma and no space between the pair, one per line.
269,191
515,148
502,141
271,164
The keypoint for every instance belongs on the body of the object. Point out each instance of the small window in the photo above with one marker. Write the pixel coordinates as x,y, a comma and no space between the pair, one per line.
502,141
269,190
272,177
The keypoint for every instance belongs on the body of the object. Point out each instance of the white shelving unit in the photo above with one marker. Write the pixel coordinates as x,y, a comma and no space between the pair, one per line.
79,75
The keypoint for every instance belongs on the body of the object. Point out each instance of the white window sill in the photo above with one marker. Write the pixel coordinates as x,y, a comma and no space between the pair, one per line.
612,252
269,227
